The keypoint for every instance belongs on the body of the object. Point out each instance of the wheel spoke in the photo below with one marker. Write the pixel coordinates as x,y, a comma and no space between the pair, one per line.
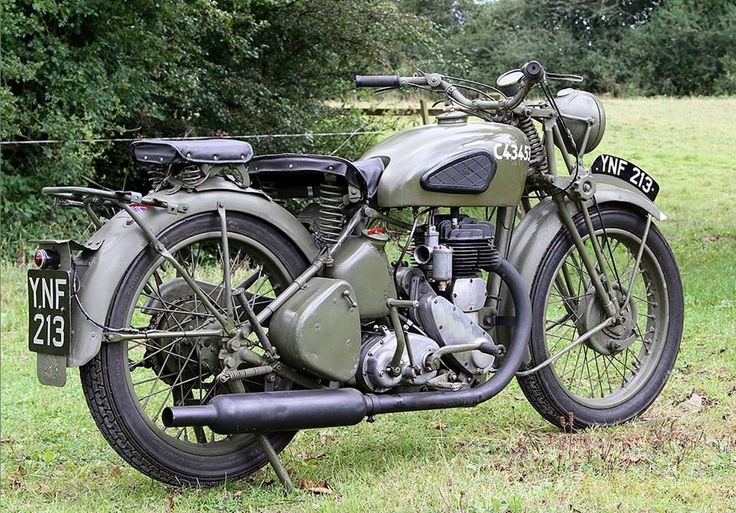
592,374
148,380
598,372
153,386
162,390
173,311
179,371
182,367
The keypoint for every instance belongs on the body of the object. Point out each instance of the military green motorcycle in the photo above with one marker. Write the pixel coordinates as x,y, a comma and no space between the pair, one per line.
247,297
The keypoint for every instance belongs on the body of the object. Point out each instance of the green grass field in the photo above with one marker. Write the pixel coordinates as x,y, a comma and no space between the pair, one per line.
501,456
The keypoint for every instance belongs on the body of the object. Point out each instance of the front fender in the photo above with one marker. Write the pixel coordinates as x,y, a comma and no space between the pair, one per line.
120,241
534,234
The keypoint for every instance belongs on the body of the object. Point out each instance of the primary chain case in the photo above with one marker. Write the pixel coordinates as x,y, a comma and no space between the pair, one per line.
318,329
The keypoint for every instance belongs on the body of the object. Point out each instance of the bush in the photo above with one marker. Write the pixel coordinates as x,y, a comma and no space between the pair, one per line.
85,69
645,47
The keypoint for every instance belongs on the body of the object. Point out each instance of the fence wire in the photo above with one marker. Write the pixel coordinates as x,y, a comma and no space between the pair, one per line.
198,138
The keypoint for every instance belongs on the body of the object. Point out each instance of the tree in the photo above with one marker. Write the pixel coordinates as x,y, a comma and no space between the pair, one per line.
85,69
574,36
687,47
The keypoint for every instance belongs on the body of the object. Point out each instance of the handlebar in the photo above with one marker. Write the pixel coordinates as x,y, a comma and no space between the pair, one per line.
392,80
377,81
533,73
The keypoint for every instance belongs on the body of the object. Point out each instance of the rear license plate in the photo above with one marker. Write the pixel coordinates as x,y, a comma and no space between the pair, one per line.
48,311
626,171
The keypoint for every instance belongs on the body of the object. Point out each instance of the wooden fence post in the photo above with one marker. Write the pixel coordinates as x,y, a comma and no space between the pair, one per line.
425,111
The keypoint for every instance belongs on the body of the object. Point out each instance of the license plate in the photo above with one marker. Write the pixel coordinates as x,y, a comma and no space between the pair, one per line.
49,311
626,171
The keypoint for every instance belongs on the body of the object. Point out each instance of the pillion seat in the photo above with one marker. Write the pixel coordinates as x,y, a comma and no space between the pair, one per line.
192,152
361,174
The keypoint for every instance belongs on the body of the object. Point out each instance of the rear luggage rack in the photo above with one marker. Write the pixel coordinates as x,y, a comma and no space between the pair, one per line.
96,201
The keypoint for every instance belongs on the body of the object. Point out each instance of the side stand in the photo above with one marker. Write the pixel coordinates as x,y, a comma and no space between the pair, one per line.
273,459
275,462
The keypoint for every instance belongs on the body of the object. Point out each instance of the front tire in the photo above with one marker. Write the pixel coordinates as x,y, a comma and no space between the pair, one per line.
618,374
126,381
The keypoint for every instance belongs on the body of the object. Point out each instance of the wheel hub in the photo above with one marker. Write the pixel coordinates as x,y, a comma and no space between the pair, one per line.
188,357
614,338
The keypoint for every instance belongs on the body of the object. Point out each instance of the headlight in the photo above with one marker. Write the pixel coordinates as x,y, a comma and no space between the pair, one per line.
580,111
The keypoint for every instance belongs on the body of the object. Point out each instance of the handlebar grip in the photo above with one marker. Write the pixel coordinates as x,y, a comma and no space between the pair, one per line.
377,81
533,71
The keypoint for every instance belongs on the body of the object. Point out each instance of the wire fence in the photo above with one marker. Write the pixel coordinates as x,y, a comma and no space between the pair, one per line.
423,110
197,138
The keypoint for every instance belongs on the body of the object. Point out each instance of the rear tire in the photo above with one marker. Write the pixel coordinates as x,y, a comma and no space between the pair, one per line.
573,387
119,410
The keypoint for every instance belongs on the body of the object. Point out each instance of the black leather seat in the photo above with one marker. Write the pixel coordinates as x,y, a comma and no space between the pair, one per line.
371,170
363,174
201,151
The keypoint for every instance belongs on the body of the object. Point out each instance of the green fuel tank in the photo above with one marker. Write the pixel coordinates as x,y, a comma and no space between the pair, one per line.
453,164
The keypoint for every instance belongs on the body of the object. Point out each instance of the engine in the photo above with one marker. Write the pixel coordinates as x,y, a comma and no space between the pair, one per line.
449,290
453,246
431,337
382,328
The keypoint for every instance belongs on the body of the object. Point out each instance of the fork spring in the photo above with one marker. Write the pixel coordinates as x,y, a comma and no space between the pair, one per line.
539,156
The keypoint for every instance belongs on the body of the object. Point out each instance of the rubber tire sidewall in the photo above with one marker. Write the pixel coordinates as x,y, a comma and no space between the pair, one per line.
542,388
105,379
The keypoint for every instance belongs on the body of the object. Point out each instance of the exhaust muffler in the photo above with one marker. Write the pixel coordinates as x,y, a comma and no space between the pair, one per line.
272,411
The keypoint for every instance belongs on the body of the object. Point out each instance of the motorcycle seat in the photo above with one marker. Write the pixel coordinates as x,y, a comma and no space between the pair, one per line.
371,169
362,174
166,152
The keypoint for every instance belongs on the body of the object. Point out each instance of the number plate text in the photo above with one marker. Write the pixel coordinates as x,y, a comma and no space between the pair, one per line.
626,171
48,311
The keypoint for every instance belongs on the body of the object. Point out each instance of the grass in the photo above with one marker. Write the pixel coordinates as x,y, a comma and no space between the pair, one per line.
501,456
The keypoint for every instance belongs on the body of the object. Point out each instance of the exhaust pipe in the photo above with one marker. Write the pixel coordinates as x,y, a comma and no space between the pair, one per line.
305,409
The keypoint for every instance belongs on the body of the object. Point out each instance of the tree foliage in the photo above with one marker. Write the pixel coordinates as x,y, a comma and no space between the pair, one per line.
688,47
86,69
675,47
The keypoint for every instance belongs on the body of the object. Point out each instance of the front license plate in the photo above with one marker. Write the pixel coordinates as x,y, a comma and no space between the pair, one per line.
48,311
626,171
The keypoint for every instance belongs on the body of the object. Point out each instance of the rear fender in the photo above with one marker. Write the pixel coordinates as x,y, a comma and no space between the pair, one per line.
120,240
534,234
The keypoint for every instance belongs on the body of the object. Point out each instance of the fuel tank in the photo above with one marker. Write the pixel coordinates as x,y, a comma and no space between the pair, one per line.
453,165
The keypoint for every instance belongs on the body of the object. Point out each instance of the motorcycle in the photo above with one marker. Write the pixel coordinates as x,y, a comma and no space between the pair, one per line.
248,297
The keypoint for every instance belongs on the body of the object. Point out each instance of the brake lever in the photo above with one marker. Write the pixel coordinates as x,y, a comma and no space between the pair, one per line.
565,77
383,90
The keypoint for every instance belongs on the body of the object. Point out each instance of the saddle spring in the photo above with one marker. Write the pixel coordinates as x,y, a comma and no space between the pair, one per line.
331,216
167,177
156,177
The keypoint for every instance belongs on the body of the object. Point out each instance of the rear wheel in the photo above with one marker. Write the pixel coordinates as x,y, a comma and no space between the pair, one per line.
128,384
618,373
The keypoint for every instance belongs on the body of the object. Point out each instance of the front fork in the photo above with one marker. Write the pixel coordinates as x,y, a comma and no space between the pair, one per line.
611,302
598,277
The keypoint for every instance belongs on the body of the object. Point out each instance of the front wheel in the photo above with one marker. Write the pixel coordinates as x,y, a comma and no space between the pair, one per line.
128,384
616,374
